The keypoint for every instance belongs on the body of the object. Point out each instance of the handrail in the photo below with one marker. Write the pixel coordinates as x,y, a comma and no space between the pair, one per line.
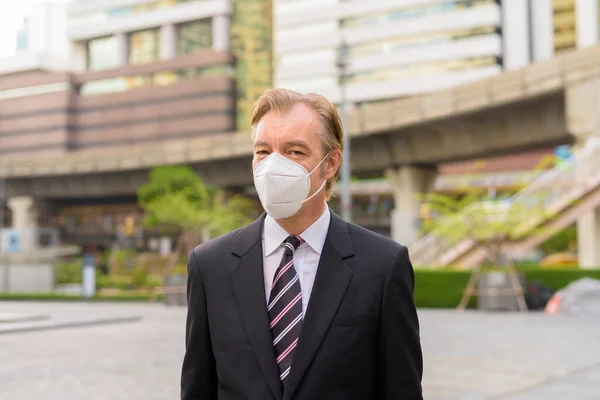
431,248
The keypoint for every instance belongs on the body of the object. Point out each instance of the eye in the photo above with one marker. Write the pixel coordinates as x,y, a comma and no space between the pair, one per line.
296,153
262,152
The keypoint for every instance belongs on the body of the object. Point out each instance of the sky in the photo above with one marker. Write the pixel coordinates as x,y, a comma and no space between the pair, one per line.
12,13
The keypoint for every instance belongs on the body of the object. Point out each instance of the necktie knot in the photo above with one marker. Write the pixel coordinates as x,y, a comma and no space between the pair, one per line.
292,243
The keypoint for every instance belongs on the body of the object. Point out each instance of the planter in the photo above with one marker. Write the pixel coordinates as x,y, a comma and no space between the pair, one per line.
175,290
503,300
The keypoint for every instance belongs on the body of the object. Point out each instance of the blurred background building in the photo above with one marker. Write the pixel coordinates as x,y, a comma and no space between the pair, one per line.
162,72
44,30
402,48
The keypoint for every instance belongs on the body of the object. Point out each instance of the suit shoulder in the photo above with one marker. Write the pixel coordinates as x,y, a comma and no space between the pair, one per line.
376,253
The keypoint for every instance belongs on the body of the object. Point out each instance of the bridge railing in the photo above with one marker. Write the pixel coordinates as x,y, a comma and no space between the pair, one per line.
428,250
434,249
548,194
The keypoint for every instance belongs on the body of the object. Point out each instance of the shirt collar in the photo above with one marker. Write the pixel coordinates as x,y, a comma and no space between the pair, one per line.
314,235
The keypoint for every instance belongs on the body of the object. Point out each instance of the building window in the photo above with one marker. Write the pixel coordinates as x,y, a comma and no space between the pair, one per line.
123,11
144,46
103,53
194,36
402,43
408,13
163,78
405,72
23,41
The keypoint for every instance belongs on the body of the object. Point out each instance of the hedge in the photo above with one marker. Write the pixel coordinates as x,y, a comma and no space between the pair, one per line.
443,288
434,288
73,298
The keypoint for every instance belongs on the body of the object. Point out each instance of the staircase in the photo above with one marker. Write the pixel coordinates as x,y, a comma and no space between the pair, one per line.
566,192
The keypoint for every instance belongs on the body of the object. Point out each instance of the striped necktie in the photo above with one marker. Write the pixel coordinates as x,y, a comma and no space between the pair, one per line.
285,308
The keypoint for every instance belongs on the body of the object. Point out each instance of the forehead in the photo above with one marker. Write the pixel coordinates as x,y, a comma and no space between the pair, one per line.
299,122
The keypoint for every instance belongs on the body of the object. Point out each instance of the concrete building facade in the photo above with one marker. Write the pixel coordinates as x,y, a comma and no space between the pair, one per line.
109,34
160,75
44,31
398,48
51,113
140,71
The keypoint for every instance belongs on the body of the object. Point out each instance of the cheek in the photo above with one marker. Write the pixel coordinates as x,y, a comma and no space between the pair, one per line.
323,171
255,160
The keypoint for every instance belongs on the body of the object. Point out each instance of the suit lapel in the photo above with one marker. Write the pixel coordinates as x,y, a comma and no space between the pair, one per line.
248,287
331,282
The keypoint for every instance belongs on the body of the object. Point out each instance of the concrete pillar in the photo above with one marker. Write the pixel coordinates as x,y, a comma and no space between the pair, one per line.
122,49
587,22
582,109
588,239
515,33
542,30
220,32
24,220
409,184
168,41
583,122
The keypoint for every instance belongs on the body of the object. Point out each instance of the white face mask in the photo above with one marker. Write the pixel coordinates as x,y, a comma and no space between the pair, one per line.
283,185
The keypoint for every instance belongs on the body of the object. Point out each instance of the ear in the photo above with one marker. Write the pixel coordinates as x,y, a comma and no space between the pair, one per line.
332,164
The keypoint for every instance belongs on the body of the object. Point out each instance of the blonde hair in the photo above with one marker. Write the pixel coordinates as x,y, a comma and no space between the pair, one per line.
330,124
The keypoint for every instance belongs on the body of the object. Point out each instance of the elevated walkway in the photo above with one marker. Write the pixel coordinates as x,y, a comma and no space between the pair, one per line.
517,110
568,192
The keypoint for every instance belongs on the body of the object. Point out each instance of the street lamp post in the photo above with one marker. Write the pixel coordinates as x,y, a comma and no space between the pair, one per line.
345,173
2,196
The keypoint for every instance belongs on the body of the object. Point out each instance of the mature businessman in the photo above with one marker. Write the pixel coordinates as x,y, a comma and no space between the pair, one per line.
300,304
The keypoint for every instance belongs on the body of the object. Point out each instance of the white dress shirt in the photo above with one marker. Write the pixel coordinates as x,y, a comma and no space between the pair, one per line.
306,258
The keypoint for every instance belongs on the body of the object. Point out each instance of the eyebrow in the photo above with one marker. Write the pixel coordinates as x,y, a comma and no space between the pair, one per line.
261,144
297,144
293,143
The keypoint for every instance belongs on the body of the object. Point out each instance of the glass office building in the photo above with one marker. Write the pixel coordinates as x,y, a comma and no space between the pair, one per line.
394,49
404,48
106,37
102,14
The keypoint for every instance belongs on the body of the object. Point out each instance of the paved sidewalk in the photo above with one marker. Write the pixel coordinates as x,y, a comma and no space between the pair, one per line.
58,318
468,356
583,384
501,356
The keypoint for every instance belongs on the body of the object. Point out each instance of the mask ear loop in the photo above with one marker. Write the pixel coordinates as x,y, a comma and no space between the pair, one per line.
324,182
316,192
319,164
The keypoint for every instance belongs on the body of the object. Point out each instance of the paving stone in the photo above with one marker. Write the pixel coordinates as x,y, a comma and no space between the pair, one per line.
468,356
7,317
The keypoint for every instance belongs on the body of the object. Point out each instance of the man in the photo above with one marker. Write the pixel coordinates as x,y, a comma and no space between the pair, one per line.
300,304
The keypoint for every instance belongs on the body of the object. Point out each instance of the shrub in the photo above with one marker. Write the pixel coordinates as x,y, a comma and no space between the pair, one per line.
180,269
139,278
113,282
118,260
67,297
443,288
563,240
68,271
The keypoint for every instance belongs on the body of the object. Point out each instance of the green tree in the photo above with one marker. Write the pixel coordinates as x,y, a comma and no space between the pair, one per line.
563,240
472,214
175,196
471,218
489,222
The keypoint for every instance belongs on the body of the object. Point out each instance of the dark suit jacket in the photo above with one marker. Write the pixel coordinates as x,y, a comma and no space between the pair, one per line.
360,335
